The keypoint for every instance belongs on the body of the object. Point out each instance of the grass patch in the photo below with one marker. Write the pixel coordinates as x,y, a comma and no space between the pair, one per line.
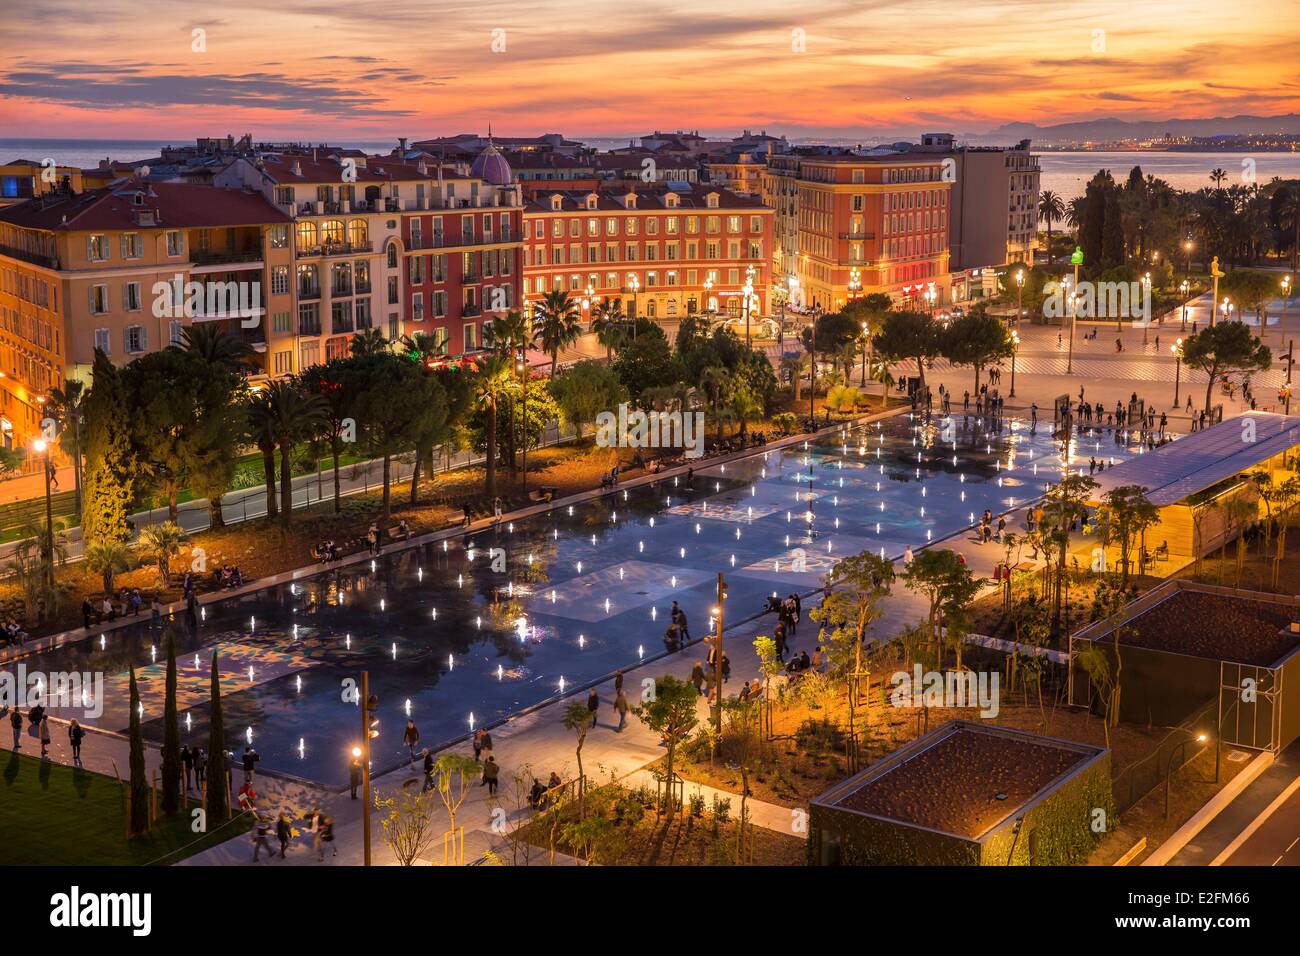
53,815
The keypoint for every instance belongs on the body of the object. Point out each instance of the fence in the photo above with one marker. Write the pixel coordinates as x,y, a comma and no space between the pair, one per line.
1141,777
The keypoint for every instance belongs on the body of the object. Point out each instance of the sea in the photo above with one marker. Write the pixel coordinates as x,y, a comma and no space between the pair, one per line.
1065,173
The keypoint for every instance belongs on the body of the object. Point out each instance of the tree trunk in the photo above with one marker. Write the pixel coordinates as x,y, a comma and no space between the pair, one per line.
491,463
268,475
215,516
286,483
388,462
338,502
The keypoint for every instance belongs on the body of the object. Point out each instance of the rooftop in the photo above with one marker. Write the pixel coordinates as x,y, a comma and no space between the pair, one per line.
133,204
962,778
651,197
1202,459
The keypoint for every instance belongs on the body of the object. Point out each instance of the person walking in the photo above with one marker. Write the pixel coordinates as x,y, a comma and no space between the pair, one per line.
16,722
283,832
621,706
325,835
411,737
354,776
491,771
261,833
200,769
697,677
250,759
593,704
187,765
76,734
428,771
45,736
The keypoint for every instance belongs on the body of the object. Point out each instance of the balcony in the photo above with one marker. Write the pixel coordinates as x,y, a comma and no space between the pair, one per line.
471,311
34,258
308,294
309,327
336,248
227,257
859,236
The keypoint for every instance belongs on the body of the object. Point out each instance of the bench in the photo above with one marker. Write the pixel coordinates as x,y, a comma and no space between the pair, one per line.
543,494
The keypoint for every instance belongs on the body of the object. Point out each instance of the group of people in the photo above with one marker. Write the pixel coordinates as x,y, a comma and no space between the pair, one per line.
787,612
319,826
229,576
678,633
326,551
985,530
13,632
129,603
39,722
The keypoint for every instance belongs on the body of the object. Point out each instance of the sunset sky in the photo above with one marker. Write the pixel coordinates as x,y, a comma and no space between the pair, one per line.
341,69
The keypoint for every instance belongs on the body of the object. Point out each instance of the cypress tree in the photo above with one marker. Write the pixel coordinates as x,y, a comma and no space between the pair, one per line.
110,456
218,790
1112,231
139,785
1090,228
171,750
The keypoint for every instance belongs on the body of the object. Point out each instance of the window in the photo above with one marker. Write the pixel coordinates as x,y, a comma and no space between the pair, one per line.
340,316
278,236
97,248
98,299
283,362
392,290
280,280
417,307
131,296
358,234
309,354
135,339
175,243
309,318
306,236
280,322
102,341
308,281
174,329
470,340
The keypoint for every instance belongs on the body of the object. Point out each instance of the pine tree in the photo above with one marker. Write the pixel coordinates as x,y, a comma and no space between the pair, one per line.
171,749
218,789
139,786
110,457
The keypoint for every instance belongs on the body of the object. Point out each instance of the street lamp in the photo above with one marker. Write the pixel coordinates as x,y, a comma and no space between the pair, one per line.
634,284
708,292
1286,298
1015,344
1020,291
1146,283
1226,308
42,447
1177,349
855,283
747,294
1069,298
1187,248
930,296
1184,287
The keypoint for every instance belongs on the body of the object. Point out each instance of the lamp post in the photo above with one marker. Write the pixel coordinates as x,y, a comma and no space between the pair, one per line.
1015,344
1076,260
522,368
42,447
634,284
369,729
855,283
1020,292
1184,287
1069,356
1146,285
1227,308
720,610
930,296
1187,248
708,293
1286,298
1177,349
747,294
588,297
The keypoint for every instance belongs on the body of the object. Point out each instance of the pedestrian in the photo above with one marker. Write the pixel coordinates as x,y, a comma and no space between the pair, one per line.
187,765
354,775
16,722
593,703
618,682
411,737
76,734
496,511
469,516
87,612
250,759
428,771
200,769
697,677
260,834
324,835
778,635
45,736
907,555
283,831
491,770
621,707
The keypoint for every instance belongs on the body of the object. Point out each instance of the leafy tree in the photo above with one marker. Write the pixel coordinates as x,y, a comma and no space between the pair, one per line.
1250,291
610,325
260,429
945,581
111,465
171,748
218,359
1128,512
716,384
646,362
218,793
139,786
165,403
1222,350
406,820
976,339
67,406
451,776
671,714
1065,506
557,324
340,383
909,335
577,720
586,389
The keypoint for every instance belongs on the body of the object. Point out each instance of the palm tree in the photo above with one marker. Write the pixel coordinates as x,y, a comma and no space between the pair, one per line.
558,324
1217,176
793,366
1074,212
1050,209
259,421
295,416
106,557
715,383
369,342
216,346
423,345
610,325
158,543
66,406
492,380
1288,217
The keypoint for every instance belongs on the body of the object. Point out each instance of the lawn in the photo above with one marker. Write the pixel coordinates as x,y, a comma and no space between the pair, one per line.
52,815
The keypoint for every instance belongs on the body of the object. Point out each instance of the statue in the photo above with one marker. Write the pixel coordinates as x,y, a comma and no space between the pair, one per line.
1215,271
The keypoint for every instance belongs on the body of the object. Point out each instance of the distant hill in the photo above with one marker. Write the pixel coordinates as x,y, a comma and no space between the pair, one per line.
1112,128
